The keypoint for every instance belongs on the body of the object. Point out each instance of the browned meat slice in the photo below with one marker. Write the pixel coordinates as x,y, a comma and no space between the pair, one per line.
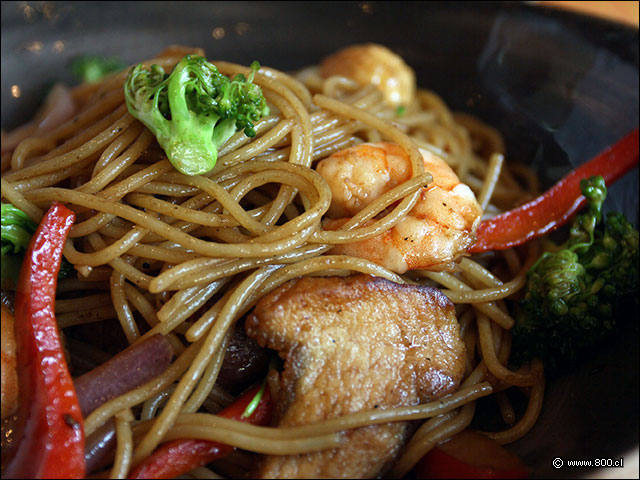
353,344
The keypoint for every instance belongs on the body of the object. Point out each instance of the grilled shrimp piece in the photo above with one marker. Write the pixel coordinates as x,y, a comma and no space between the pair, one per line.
439,229
373,64
9,375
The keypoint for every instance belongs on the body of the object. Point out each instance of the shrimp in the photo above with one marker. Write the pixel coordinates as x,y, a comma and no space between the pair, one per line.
373,64
9,375
439,229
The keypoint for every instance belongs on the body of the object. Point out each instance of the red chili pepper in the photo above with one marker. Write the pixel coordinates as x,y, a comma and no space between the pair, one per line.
177,457
51,431
470,455
556,206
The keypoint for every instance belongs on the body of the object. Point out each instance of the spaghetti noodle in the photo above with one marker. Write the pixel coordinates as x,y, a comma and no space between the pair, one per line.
189,256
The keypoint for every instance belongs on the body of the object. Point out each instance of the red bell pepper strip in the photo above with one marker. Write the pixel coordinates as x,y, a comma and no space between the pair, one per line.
179,456
51,431
556,206
470,455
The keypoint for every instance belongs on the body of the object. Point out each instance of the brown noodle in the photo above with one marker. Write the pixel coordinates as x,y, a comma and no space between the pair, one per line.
247,227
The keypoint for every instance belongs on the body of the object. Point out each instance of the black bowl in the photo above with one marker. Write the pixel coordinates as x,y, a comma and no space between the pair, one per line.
561,87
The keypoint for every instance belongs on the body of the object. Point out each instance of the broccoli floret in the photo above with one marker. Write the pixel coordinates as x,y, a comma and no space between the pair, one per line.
17,229
93,68
574,294
194,110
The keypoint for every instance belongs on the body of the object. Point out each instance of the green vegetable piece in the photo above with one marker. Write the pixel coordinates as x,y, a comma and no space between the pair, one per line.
253,404
574,295
194,110
17,229
93,68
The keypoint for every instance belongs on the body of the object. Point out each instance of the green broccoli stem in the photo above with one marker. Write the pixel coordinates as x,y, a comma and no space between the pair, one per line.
186,138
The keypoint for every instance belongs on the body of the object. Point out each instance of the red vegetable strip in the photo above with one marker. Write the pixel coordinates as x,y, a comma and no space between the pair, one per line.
439,464
470,455
556,206
177,457
51,440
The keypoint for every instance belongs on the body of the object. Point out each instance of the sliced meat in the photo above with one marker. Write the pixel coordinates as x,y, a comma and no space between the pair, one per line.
354,344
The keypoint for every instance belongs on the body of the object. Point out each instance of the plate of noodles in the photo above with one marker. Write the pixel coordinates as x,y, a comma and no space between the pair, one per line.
293,240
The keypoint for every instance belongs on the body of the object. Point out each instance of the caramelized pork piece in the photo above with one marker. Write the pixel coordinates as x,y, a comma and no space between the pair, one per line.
354,344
